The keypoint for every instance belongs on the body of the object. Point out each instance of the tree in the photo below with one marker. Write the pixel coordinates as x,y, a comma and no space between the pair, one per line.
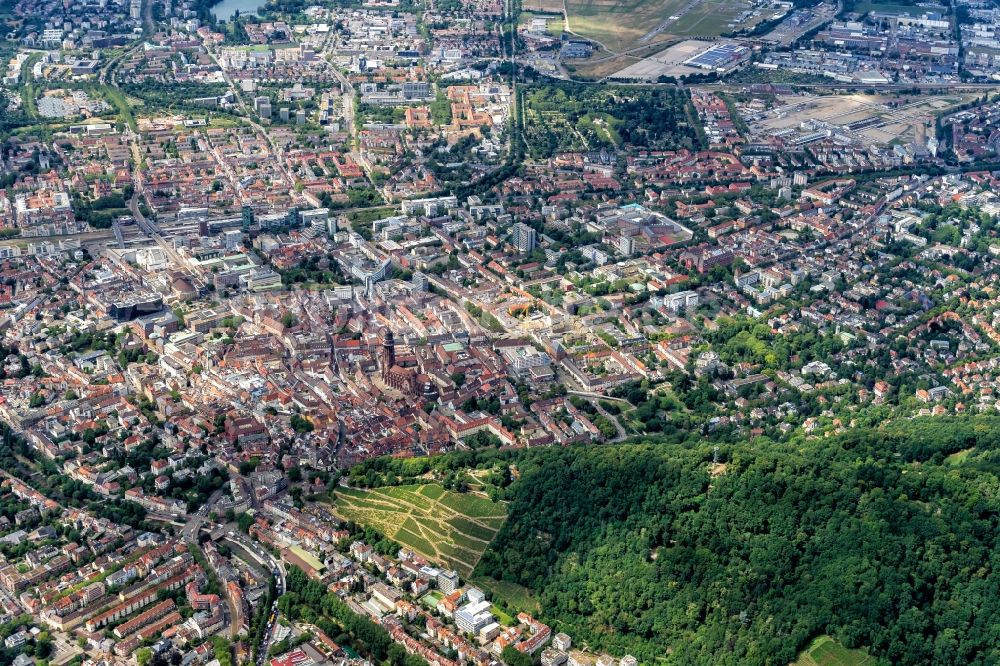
243,522
300,424
309,601
513,657
637,548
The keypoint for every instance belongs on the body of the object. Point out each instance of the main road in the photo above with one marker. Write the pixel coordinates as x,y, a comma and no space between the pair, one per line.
194,522
275,569
259,553
347,103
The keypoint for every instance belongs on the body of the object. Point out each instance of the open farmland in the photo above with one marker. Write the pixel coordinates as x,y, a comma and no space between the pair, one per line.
448,527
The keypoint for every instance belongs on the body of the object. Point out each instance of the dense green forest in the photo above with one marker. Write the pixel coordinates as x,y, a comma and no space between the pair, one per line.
885,539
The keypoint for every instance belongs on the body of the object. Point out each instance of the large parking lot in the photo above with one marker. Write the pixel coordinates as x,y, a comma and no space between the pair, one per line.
668,62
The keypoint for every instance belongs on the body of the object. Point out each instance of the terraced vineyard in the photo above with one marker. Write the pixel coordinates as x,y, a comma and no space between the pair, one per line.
444,526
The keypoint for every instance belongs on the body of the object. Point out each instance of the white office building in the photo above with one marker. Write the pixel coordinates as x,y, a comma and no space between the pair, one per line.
473,616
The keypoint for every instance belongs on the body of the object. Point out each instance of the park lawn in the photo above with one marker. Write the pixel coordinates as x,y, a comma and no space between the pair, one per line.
122,104
825,651
502,617
450,528
29,91
225,121
366,217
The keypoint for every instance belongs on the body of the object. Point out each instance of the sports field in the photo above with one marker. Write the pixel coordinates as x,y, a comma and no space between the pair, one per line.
444,526
825,651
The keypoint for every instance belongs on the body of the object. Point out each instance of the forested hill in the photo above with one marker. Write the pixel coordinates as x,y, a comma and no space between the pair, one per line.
885,539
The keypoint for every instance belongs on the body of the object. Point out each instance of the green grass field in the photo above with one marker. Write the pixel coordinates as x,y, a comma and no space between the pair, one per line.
618,25
513,595
709,18
504,618
444,526
554,22
431,599
432,491
958,457
825,651
622,24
